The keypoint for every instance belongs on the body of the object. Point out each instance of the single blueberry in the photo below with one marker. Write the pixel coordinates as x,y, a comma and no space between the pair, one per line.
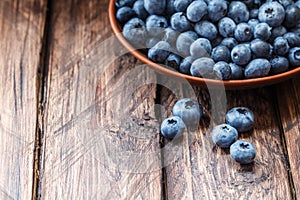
262,31
260,48
206,29
179,22
135,32
170,7
185,65
217,9
294,56
200,48
196,10
292,38
220,53
172,127
140,10
224,135
124,14
241,54
222,70
229,42
156,25
236,71
181,5
184,41
279,64
243,152
202,67
241,118
155,7
243,32
292,16
173,61
238,11
189,110
226,27
272,13
159,52
281,46
257,68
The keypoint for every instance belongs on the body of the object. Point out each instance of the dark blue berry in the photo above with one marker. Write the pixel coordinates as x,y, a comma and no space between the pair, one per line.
257,68
243,32
229,42
124,14
238,11
217,9
262,31
159,52
185,65
272,13
226,27
293,39
202,67
200,48
279,64
260,48
135,32
172,127
294,56
184,41
243,152
196,10
206,29
281,46
122,3
224,135
241,118
155,7
236,71
140,10
292,16
156,25
173,61
179,22
181,5
222,70
220,53
241,54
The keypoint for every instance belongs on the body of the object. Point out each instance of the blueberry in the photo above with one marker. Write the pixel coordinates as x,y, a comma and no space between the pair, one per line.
294,56
202,67
181,5
124,14
241,54
262,31
200,48
135,32
243,32
172,127
140,10
226,27
189,110
224,135
277,31
170,8
220,53
155,7
206,29
159,52
272,13
279,64
292,16
196,10
222,70
217,9
260,48
253,13
184,41
236,71
238,11
293,39
241,118
243,152
281,46
156,25
179,22
122,3
185,65
229,42
173,61
258,67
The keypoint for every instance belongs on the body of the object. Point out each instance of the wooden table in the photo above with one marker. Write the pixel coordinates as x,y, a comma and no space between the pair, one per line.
66,86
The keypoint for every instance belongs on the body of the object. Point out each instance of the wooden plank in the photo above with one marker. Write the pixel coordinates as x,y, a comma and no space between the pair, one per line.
288,94
208,172
21,33
93,146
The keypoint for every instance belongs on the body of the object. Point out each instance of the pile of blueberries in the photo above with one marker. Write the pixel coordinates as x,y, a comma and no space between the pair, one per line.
187,113
216,39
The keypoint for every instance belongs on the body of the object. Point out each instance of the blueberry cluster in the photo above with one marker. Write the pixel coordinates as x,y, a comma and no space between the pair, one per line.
239,119
217,39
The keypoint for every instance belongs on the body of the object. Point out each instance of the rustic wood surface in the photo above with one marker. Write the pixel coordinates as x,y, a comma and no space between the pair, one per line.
21,33
80,118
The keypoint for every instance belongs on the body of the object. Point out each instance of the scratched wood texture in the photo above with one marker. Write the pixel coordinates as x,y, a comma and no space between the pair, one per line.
21,32
208,172
96,117
288,94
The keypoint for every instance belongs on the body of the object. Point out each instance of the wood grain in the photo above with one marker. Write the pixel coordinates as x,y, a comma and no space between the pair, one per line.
101,139
210,173
21,33
288,94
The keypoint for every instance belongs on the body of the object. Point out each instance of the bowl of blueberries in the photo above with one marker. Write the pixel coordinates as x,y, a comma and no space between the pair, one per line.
238,44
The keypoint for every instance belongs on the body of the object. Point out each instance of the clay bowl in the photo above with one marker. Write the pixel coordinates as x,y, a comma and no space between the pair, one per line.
229,85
